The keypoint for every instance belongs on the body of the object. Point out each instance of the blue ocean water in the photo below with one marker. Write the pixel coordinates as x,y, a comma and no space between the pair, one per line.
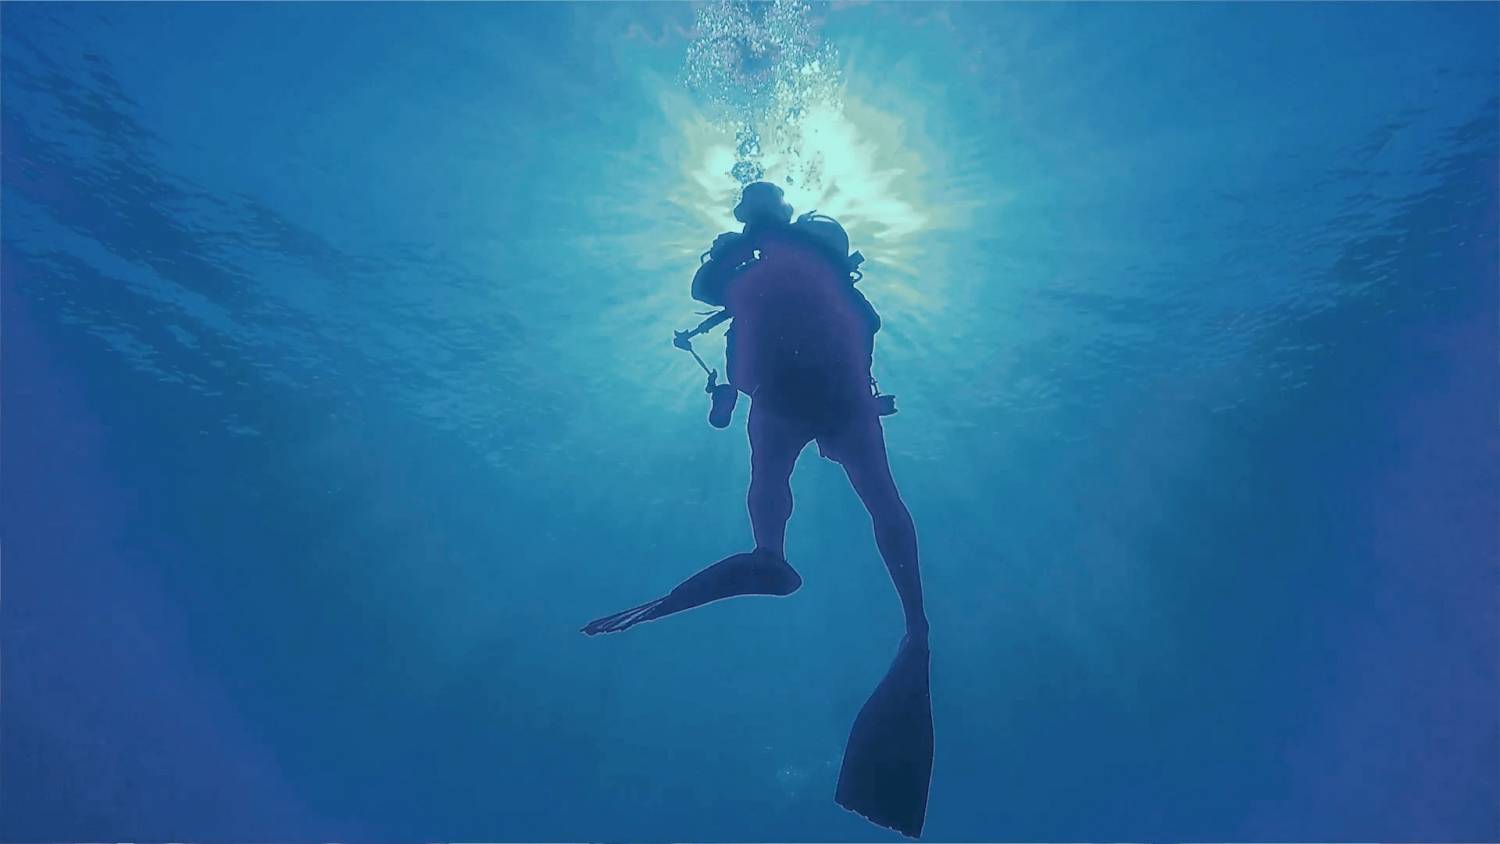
338,393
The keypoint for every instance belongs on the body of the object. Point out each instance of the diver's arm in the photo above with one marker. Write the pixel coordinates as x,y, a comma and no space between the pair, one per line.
724,256
683,339
708,284
712,322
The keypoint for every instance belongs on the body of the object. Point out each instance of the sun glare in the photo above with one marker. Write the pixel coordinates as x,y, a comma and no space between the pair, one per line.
861,175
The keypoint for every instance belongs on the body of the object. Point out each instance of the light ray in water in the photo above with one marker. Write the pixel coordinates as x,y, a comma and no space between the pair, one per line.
772,103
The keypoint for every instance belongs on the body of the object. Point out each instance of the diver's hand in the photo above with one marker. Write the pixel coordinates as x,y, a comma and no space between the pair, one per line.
724,242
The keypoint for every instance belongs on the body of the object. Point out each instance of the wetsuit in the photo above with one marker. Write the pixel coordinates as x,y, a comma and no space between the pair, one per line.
803,337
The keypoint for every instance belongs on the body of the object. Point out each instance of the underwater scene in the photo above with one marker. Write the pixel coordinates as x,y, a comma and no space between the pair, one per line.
749,422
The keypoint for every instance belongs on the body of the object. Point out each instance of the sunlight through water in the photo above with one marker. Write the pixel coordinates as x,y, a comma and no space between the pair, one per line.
775,107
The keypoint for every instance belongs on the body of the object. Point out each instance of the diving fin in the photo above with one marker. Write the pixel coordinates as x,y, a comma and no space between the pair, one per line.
752,573
888,762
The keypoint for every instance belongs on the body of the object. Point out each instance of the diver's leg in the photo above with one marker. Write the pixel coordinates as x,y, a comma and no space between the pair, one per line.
887,765
775,443
863,456
764,571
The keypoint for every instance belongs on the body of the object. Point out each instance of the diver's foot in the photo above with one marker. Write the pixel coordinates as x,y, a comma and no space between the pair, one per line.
759,572
916,632
771,573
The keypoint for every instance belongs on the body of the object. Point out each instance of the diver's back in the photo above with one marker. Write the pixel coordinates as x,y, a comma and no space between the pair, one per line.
801,337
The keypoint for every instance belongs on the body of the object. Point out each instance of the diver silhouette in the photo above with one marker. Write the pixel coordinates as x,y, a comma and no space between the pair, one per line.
801,346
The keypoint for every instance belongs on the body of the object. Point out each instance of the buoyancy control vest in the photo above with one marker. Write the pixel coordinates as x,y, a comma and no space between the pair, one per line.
734,252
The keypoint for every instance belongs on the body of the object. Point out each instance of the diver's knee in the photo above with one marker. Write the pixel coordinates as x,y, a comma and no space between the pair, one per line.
889,513
895,530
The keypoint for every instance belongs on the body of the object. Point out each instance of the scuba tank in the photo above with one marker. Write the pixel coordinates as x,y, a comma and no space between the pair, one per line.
834,241
828,234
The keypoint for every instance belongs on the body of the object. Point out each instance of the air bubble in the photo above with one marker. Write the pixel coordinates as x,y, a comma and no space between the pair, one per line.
762,64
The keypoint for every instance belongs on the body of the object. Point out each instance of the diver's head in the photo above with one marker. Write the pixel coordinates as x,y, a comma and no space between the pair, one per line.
762,202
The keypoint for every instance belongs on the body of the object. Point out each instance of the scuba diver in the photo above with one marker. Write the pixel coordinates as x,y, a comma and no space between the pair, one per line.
801,346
